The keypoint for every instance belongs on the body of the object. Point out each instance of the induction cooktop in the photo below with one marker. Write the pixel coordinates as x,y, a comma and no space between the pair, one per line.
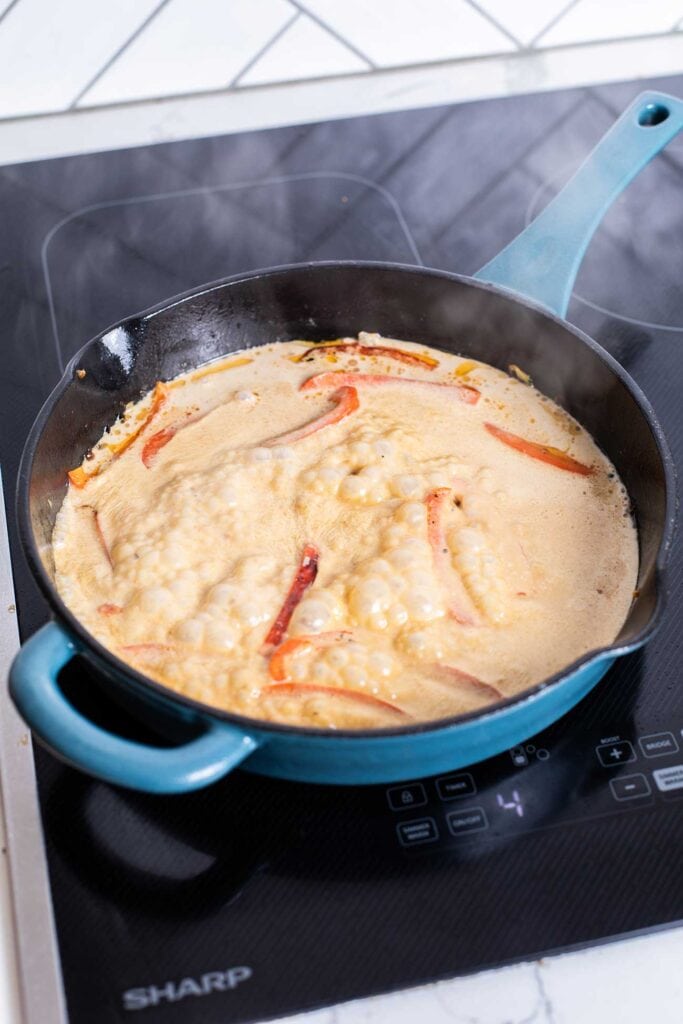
256,898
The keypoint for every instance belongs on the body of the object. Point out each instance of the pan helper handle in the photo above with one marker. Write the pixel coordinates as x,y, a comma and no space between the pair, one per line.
542,263
35,690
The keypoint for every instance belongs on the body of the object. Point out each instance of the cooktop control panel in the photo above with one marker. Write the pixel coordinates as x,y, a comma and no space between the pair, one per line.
531,788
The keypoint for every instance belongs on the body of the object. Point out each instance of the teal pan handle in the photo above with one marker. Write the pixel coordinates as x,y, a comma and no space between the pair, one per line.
35,691
542,263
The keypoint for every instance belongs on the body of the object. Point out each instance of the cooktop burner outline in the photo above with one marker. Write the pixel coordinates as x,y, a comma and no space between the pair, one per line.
532,210
236,186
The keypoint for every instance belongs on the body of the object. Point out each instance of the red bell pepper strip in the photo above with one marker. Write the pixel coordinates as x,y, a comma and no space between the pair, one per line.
301,689
100,535
79,477
346,400
156,442
456,675
277,665
303,579
159,440
178,648
542,452
413,358
147,648
462,392
460,605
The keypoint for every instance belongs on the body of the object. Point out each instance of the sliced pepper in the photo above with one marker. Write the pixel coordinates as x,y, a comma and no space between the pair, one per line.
460,605
156,442
301,689
159,396
277,666
148,648
332,379
304,578
208,371
456,675
110,609
413,358
465,367
176,648
542,452
519,373
79,477
346,399
100,534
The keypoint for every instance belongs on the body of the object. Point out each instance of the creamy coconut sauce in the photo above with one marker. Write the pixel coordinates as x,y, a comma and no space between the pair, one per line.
442,562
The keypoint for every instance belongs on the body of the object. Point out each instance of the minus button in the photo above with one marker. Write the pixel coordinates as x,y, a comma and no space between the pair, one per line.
630,787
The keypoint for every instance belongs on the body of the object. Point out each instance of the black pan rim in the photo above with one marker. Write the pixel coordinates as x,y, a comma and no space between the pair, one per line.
206,713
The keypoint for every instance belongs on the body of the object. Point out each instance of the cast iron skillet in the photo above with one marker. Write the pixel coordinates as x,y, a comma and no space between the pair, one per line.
510,314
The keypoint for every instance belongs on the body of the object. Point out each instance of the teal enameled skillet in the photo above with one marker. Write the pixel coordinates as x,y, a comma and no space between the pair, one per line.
511,312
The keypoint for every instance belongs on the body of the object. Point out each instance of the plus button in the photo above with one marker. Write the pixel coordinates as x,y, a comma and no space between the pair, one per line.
611,754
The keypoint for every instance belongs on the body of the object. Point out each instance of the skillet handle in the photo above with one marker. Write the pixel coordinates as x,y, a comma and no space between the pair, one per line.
542,262
35,691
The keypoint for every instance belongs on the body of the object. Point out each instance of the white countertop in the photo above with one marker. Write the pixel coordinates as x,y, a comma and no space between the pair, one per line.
9,990
631,981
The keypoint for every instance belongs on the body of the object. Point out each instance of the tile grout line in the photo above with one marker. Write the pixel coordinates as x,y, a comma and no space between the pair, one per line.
301,7
496,24
8,9
264,49
115,56
551,24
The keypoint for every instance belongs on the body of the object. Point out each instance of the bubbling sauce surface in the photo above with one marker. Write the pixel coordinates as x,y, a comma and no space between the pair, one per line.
318,535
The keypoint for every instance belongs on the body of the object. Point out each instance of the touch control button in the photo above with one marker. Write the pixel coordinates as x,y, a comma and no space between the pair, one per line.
658,744
630,787
414,833
402,798
669,778
471,820
620,752
452,787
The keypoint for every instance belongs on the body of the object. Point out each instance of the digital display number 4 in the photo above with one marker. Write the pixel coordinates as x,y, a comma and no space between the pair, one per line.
513,803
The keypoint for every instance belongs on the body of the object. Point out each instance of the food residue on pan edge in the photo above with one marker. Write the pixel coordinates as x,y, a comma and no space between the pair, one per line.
359,533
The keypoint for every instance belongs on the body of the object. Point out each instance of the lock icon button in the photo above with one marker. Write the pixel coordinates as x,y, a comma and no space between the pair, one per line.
402,797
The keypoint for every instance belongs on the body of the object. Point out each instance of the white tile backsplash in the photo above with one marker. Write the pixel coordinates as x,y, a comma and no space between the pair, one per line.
191,46
304,50
90,54
394,32
49,51
606,19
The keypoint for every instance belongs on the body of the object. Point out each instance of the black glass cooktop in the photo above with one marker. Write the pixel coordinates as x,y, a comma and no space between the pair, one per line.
256,898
